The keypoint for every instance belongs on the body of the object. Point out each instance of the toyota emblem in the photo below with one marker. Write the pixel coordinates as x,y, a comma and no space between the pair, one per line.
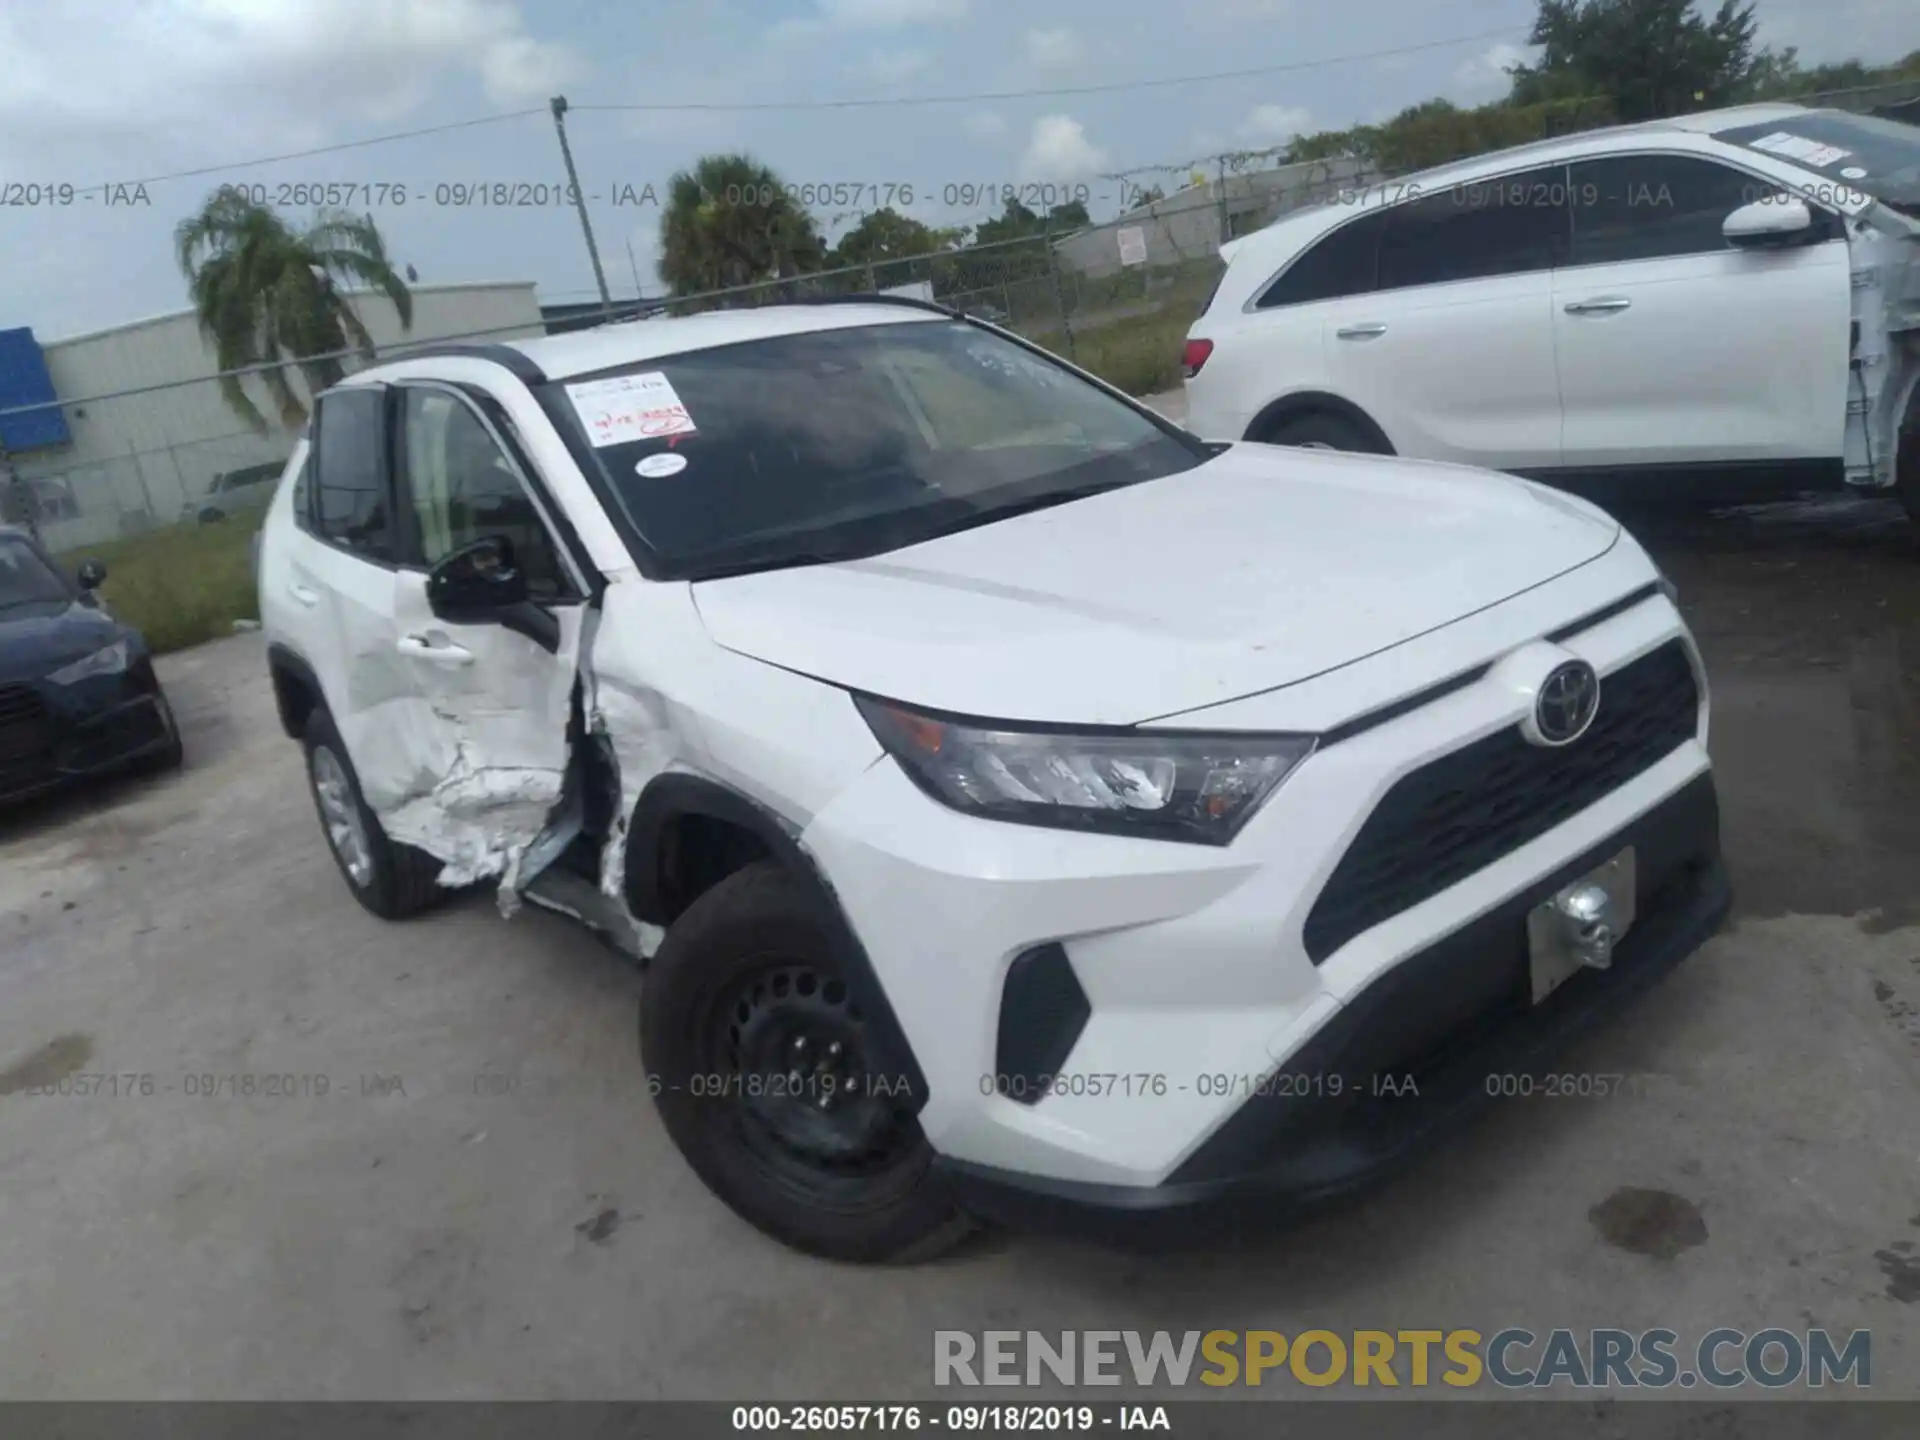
1566,703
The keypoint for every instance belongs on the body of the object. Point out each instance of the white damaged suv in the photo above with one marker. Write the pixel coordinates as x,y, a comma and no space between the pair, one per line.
1028,812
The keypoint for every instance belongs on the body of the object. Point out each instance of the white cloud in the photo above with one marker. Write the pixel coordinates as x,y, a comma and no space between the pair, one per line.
1274,124
894,67
1484,77
272,71
1056,50
985,125
1059,150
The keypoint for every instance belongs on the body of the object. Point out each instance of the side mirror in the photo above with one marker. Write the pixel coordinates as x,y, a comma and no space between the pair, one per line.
479,584
91,575
1768,223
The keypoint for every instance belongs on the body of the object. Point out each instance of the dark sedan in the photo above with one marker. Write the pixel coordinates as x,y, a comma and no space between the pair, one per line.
78,696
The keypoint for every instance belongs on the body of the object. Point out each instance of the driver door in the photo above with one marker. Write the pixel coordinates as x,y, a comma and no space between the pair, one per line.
1677,348
489,733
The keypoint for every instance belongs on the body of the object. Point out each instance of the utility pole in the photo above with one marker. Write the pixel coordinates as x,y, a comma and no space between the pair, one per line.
639,290
559,106
1224,236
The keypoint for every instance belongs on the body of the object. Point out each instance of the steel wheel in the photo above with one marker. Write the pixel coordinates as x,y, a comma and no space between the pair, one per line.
792,1056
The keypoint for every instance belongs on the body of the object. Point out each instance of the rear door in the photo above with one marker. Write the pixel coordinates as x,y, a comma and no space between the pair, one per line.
488,738
1678,348
337,580
1451,347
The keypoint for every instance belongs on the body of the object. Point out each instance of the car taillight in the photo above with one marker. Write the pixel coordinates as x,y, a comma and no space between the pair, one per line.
1196,356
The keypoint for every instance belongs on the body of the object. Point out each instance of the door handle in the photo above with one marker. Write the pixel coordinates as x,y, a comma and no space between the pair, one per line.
1360,332
1606,305
440,653
304,596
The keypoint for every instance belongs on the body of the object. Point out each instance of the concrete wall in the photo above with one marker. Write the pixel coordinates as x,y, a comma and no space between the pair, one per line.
1186,226
138,460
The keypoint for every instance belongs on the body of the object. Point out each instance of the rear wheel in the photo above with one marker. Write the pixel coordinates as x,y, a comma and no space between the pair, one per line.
1319,430
1906,463
392,881
764,1070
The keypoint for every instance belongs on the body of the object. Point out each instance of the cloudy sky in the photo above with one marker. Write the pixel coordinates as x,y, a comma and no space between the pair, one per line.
100,94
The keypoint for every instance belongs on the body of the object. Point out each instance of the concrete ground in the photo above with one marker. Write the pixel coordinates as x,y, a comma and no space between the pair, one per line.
420,1230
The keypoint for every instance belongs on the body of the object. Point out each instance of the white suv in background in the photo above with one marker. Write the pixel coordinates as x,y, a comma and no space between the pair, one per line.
1723,297
1027,811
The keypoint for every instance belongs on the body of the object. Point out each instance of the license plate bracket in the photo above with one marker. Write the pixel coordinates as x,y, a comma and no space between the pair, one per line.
1556,951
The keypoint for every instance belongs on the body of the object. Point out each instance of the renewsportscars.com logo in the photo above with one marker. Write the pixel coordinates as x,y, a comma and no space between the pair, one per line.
1513,1358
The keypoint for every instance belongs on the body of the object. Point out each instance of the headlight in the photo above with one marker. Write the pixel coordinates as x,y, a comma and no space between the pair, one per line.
1198,788
110,661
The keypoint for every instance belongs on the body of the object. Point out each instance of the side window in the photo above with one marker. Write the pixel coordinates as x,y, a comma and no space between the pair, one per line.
1647,207
351,483
1341,263
461,487
1476,229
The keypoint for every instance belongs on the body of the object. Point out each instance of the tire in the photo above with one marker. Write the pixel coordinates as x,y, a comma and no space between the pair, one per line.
390,880
750,975
1906,463
1319,430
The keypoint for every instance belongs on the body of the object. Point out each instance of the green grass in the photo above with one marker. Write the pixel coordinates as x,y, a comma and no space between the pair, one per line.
1140,354
180,584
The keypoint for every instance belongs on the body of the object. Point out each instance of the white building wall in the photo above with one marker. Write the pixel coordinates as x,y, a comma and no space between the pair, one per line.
137,460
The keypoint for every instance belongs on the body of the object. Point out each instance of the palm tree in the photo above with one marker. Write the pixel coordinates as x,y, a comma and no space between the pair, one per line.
265,294
731,221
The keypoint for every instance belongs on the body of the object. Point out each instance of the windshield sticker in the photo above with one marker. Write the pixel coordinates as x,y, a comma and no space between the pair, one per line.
1796,147
628,408
658,467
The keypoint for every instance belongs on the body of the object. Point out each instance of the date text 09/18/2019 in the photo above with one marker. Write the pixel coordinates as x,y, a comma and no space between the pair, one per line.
955,1419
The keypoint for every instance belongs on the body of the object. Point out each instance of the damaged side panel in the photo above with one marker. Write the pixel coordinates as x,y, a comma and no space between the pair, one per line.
1885,261
468,761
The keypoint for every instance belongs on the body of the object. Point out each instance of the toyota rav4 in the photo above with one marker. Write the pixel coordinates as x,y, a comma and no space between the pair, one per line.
1027,811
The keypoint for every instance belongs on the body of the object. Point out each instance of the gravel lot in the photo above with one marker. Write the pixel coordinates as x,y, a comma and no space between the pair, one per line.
413,1234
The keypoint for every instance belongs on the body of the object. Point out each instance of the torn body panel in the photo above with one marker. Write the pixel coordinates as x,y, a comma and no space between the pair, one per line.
1885,256
469,762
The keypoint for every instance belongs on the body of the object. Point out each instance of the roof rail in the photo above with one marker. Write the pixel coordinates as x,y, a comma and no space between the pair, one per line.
875,297
520,364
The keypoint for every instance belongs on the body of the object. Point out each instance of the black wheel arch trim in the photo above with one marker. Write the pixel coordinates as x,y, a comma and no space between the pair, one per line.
281,659
670,797
1317,402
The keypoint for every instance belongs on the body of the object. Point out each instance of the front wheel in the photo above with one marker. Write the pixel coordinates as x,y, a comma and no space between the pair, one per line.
1321,431
763,1068
390,880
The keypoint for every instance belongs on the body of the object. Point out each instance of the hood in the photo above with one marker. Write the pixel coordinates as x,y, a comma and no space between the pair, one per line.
43,635
1257,569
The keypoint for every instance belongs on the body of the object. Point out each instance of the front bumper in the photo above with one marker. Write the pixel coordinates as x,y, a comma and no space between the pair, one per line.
53,735
1455,1020
1152,987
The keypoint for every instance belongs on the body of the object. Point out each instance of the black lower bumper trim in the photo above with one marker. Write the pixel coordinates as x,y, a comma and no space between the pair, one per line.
1456,1020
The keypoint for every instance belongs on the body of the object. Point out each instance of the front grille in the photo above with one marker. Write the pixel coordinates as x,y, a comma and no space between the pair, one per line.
25,731
1462,812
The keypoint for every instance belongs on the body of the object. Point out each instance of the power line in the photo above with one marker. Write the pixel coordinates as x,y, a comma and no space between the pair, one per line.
1050,93
334,149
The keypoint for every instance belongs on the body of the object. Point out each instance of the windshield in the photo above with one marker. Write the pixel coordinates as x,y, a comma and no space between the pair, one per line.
1863,154
25,578
842,443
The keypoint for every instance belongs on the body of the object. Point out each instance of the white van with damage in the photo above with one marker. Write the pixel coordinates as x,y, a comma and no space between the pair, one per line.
1026,810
